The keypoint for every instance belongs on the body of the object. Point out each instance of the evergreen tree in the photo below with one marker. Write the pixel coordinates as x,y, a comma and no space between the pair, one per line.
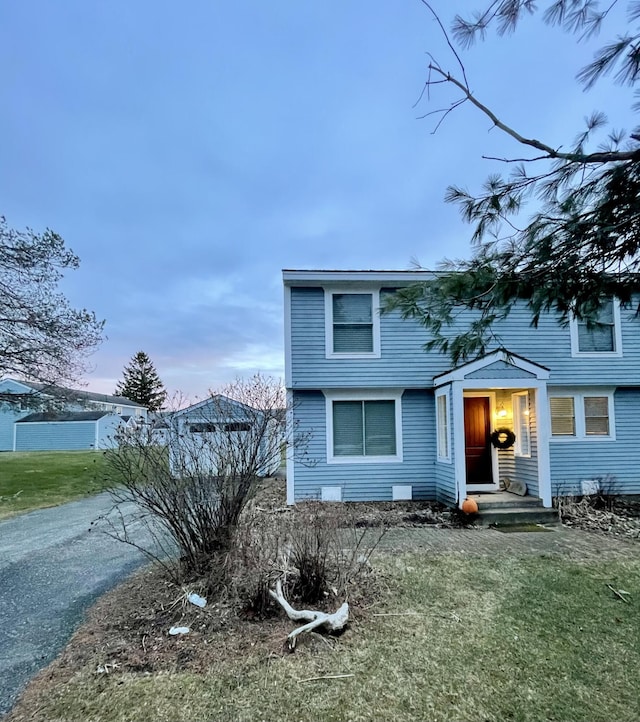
581,245
142,384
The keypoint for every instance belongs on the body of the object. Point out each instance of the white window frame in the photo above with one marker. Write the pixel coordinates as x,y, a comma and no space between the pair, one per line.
328,323
364,395
519,421
443,457
578,396
617,338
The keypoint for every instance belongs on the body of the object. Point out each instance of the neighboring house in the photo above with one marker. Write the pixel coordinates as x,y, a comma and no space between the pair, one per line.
220,434
65,402
66,431
389,420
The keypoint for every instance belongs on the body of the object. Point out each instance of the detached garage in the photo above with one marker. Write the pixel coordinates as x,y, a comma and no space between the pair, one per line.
71,431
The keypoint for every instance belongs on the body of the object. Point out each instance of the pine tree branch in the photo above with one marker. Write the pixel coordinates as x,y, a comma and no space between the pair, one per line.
550,153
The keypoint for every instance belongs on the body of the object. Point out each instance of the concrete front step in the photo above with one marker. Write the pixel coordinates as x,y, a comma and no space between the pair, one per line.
518,515
509,502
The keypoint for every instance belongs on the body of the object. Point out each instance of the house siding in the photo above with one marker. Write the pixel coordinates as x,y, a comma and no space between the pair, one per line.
56,435
405,363
576,461
8,414
7,422
66,435
371,482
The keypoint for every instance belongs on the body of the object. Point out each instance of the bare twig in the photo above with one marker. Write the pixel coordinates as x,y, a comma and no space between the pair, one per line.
619,593
327,676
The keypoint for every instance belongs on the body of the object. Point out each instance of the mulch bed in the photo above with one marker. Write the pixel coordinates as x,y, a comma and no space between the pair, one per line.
619,517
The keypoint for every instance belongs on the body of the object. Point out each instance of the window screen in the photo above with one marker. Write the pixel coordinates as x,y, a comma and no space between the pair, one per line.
563,420
352,323
364,428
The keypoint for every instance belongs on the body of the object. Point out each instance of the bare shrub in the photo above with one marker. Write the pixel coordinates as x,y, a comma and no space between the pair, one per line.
189,494
254,568
327,550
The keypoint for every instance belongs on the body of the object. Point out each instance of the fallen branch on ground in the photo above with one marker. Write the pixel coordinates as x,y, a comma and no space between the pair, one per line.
327,676
332,622
619,593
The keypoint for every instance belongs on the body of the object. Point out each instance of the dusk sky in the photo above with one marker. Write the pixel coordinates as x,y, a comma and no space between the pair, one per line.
188,152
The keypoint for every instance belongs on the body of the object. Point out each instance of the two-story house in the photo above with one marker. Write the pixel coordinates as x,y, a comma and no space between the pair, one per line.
390,421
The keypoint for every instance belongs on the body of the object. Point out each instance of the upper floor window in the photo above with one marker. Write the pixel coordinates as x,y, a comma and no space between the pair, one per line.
582,415
604,337
352,322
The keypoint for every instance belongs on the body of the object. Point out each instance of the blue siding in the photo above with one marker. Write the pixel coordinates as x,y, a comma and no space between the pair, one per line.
8,414
405,364
7,419
55,436
373,482
66,435
573,462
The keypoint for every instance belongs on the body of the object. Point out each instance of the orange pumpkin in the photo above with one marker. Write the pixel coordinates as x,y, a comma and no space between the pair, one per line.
470,506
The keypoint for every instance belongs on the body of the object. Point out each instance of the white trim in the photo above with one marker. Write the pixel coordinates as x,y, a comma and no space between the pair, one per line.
578,394
289,459
440,393
517,424
288,357
363,395
617,338
495,469
543,432
311,277
328,323
457,403
459,373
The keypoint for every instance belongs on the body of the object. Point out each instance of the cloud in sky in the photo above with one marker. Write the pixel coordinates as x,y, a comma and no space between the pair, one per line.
189,152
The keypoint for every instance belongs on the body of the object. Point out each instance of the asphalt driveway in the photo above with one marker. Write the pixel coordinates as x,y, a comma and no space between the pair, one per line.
53,565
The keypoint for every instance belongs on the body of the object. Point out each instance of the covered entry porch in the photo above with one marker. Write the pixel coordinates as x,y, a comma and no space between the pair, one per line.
493,428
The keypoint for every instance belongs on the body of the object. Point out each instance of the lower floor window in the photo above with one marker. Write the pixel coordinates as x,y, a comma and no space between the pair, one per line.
364,428
582,415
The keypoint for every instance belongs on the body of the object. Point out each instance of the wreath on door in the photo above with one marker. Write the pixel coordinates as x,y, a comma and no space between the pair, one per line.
503,438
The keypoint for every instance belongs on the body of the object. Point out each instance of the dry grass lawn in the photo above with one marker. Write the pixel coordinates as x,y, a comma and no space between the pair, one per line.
451,637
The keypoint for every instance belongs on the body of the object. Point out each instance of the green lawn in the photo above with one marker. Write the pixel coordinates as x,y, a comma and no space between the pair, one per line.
454,638
35,479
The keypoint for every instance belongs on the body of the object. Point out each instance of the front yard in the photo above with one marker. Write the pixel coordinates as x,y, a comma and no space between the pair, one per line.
452,636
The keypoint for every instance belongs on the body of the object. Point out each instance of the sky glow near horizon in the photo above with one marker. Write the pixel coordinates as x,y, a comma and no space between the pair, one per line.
189,152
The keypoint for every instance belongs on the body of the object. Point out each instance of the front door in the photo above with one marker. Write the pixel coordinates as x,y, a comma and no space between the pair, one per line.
477,430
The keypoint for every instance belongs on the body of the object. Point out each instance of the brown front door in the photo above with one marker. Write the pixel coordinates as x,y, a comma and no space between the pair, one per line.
477,428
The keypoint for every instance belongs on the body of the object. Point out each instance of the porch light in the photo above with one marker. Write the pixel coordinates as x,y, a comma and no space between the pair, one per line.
502,412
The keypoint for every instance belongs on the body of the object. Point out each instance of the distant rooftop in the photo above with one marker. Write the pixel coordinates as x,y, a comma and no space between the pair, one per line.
65,416
79,394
